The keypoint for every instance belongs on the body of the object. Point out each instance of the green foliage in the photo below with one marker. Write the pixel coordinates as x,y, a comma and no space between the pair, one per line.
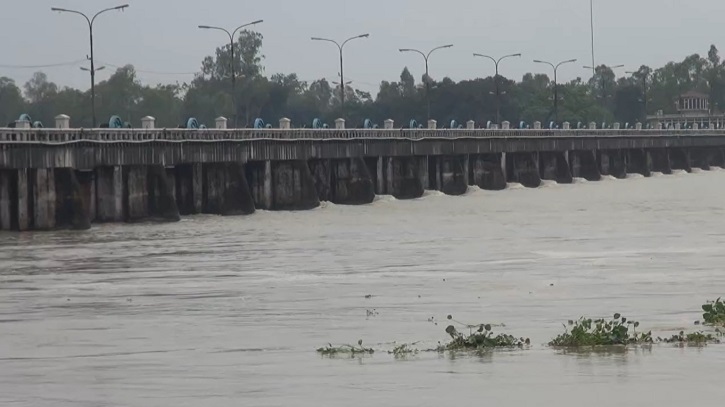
714,313
601,332
480,337
348,350
602,98
694,338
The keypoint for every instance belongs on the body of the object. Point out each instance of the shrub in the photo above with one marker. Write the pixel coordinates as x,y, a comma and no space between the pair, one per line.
714,313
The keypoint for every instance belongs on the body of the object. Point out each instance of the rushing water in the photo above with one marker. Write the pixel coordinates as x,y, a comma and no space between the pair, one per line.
218,311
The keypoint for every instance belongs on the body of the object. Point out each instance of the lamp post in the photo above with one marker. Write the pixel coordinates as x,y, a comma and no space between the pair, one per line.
496,80
93,69
341,47
604,83
645,75
556,85
232,65
591,19
427,76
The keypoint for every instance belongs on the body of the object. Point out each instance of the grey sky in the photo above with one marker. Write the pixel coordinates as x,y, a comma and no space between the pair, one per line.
161,35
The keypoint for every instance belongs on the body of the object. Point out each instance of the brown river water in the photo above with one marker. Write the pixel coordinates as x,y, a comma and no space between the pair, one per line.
217,311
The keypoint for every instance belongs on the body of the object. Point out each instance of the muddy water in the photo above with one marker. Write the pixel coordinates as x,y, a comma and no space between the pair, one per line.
229,311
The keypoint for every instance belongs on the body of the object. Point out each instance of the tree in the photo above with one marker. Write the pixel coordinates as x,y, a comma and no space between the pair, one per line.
11,101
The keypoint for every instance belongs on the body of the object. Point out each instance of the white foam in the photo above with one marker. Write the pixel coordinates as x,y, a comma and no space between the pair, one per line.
634,176
432,193
609,178
515,185
679,172
657,174
696,170
579,180
545,183
384,198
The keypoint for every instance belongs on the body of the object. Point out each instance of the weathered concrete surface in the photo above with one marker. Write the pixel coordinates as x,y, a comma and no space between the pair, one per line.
584,164
487,171
161,195
344,182
661,160
136,205
553,166
523,168
189,189
402,177
72,206
680,159
109,194
293,187
639,162
351,182
8,194
226,190
706,157
452,175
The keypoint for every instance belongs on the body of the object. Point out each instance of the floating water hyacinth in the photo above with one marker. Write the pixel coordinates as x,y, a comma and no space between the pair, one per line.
714,313
601,332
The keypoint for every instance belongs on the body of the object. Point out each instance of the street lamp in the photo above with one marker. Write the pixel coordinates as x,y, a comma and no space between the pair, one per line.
427,76
604,83
93,69
556,85
342,66
232,65
645,75
496,80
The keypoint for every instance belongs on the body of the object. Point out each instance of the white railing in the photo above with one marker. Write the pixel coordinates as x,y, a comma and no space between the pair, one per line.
65,136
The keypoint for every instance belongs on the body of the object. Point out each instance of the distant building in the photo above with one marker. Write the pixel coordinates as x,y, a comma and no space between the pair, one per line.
692,107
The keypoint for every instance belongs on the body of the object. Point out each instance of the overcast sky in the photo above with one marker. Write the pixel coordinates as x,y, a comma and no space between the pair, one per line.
160,37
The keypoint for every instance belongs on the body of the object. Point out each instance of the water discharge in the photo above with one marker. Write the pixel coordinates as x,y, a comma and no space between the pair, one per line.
218,311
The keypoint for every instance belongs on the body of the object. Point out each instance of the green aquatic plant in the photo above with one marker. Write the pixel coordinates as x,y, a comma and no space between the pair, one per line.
695,338
480,337
601,332
714,313
350,350
403,350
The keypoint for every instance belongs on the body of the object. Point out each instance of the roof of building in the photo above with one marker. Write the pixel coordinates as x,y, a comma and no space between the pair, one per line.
695,94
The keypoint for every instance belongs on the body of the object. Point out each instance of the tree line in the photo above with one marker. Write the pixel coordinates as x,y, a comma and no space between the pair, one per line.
603,98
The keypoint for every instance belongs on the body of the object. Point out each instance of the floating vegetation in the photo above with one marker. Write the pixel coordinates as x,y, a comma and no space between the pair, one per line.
714,313
404,349
480,337
372,313
601,332
694,338
350,350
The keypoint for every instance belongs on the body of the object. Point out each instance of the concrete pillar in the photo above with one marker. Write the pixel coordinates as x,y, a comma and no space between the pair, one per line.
23,201
470,125
268,197
62,121
505,125
44,199
695,126
638,126
285,123
537,125
22,124
432,124
554,167
616,126
678,126
293,186
466,169
6,204
658,126
221,123
109,194
340,124
583,164
523,168
72,208
161,195
148,122
228,192
390,175
388,124
593,126
566,126
137,194
380,187
423,174
488,172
